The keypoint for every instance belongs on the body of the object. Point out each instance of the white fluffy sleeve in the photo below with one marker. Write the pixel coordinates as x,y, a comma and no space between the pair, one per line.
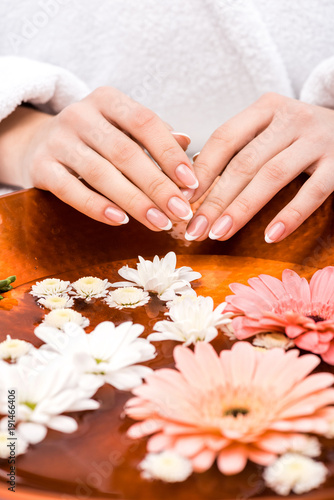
319,86
50,88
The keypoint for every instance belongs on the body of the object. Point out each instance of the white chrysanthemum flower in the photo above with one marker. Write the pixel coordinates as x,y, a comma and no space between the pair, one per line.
272,340
59,317
180,298
305,445
167,466
50,286
159,276
20,444
42,395
128,296
109,354
14,348
56,302
192,321
294,472
89,287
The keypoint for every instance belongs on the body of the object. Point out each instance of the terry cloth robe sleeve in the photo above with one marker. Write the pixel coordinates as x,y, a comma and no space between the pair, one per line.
319,86
50,88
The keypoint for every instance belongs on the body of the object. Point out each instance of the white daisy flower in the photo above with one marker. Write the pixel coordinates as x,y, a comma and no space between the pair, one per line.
59,317
180,298
305,445
192,321
50,286
109,353
159,276
42,395
14,348
272,340
296,473
89,287
56,302
128,296
21,445
167,466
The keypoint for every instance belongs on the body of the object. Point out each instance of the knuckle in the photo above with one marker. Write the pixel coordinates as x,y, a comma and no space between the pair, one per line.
142,117
224,137
274,171
89,204
215,203
320,190
94,172
244,164
295,214
157,188
100,93
168,154
123,151
243,205
133,203
269,98
71,114
204,169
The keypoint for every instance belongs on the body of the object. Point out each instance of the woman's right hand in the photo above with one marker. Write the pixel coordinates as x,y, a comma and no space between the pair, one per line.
101,139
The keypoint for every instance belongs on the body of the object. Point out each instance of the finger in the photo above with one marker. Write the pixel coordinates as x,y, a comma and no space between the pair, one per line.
109,181
227,140
129,158
74,193
237,211
311,195
149,130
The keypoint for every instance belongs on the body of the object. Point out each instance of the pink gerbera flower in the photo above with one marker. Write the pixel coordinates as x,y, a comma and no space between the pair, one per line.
304,311
242,404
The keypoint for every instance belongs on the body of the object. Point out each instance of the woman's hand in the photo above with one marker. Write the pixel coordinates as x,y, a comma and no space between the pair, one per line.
101,139
257,153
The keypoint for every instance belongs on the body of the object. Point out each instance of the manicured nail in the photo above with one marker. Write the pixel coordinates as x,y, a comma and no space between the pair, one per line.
181,134
187,176
275,232
116,215
158,219
195,156
180,208
221,227
196,228
188,193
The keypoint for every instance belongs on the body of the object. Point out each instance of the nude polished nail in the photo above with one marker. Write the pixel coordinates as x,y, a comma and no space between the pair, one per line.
116,215
275,232
221,227
188,193
185,175
196,228
179,208
181,134
158,219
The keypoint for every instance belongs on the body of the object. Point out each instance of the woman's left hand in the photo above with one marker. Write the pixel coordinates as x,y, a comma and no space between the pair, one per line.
256,154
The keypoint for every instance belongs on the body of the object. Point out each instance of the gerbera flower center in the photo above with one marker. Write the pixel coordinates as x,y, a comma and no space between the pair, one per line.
316,318
235,412
30,405
316,311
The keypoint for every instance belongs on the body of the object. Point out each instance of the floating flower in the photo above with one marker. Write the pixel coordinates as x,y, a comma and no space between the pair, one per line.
272,340
180,298
108,354
14,348
293,472
89,287
59,317
305,445
42,395
50,286
56,302
193,319
239,405
303,311
127,297
159,276
21,445
167,466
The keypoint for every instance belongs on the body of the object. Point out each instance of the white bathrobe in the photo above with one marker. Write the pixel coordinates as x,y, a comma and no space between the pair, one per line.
194,62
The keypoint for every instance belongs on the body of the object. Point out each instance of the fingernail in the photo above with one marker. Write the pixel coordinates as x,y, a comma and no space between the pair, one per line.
221,227
181,134
180,208
116,215
158,219
196,228
195,156
275,232
186,176
188,193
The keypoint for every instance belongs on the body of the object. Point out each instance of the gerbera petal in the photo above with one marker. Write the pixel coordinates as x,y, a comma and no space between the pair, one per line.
328,356
296,286
232,460
322,285
203,461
